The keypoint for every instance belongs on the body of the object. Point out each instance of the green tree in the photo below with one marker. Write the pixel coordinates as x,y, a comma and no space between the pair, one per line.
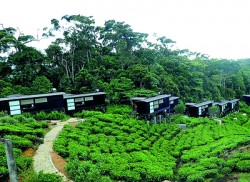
213,111
41,85
180,107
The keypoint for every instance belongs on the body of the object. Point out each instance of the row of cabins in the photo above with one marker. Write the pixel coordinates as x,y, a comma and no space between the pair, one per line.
145,107
59,101
164,104
202,109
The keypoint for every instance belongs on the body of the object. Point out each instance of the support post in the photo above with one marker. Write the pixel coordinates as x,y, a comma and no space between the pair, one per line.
10,160
155,120
160,118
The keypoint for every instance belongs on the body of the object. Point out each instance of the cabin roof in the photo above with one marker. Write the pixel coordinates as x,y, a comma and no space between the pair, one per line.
67,96
138,98
155,98
222,102
199,104
203,103
21,97
173,98
246,95
189,104
234,100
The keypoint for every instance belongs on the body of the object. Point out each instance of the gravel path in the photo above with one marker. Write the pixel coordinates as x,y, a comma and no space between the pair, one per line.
42,158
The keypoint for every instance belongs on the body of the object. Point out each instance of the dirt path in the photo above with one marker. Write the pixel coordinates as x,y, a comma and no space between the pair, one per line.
42,159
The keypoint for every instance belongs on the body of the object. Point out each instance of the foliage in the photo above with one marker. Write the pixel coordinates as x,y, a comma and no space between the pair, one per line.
180,108
124,110
41,85
30,176
213,111
54,115
116,59
24,133
112,145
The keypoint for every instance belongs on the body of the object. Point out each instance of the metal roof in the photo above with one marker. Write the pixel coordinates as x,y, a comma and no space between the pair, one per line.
234,100
158,97
222,102
138,98
14,97
173,98
246,95
67,96
190,104
199,104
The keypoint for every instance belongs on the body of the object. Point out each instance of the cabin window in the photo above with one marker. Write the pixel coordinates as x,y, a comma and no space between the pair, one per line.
14,103
71,104
156,104
171,102
199,110
41,100
81,99
26,102
151,104
160,101
89,98
14,107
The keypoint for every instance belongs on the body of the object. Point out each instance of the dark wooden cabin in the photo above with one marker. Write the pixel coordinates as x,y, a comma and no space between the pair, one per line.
246,99
78,102
224,107
173,101
151,106
18,104
234,105
198,110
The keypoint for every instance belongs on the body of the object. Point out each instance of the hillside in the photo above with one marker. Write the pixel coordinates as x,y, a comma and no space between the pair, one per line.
114,147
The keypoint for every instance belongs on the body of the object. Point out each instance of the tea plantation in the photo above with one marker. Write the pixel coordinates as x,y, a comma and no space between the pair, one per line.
115,147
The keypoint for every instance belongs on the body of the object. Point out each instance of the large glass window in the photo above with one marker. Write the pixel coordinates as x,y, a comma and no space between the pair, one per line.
41,100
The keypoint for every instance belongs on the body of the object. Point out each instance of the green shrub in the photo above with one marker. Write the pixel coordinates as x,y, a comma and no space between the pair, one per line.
23,163
46,177
41,116
55,115
243,166
3,114
124,110
87,114
19,142
198,177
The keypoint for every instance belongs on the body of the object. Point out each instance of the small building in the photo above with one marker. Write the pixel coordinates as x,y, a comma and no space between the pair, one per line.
246,99
224,107
198,110
234,105
173,101
18,104
146,107
78,102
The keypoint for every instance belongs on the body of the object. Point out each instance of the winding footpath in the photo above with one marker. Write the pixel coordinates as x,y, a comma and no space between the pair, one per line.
42,158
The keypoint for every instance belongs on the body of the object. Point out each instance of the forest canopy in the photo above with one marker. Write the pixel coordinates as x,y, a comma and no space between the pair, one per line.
84,57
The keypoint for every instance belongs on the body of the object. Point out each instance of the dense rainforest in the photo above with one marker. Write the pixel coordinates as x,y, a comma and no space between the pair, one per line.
84,57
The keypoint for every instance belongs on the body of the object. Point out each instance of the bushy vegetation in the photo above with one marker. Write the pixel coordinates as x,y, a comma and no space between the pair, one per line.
54,115
114,147
25,133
